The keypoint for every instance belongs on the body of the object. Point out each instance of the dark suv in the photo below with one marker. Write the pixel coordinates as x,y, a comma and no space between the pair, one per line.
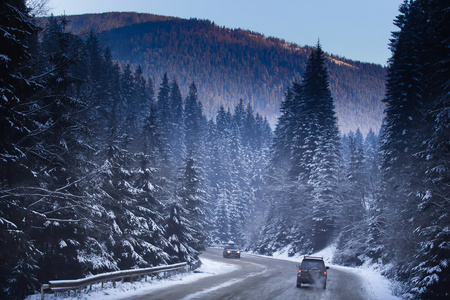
312,270
231,250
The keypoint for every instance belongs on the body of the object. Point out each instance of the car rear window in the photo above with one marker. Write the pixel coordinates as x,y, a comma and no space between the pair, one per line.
312,264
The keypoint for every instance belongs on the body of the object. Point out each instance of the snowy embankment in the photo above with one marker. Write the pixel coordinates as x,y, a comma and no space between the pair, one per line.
375,285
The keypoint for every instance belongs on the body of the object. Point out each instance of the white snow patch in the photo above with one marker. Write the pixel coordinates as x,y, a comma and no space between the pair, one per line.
62,244
376,285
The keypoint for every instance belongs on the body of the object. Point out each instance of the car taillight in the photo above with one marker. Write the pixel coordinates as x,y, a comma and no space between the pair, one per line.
299,271
324,272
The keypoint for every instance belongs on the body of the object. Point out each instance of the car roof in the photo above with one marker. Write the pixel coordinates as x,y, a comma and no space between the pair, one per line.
307,257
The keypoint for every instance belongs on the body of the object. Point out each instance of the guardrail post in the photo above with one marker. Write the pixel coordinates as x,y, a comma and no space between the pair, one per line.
44,287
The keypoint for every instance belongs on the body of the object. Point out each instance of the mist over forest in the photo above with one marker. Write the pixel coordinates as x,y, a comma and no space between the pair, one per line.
144,142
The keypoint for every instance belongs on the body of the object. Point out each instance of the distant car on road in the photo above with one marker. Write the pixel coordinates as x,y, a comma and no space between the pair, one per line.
312,270
231,250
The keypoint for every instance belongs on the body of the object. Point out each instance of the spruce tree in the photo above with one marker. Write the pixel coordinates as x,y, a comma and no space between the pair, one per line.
414,164
403,126
323,142
18,253
307,144
164,110
352,211
193,201
193,118
17,30
177,138
143,94
239,115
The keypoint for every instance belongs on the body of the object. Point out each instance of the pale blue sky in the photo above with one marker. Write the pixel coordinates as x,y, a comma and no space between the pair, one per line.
355,29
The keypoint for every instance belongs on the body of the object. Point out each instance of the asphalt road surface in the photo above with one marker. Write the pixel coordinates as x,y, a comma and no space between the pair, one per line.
260,278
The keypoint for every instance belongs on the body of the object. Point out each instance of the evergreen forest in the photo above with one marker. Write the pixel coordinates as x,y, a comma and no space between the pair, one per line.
106,165
233,64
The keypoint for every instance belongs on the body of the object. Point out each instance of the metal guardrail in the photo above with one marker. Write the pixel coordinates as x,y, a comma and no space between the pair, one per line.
68,285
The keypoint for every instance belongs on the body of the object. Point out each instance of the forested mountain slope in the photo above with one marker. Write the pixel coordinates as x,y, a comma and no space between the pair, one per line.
230,64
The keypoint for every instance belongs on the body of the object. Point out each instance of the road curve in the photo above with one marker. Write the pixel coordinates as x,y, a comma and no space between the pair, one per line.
260,278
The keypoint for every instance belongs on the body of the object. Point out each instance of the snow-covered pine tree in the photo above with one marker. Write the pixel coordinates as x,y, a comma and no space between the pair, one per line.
193,119
283,132
143,92
415,164
59,153
432,273
147,190
373,240
307,143
241,195
177,138
299,148
249,129
165,127
323,132
372,161
403,133
18,254
352,213
195,125
192,198
230,164
220,177
130,105
164,110
256,163
131,189
277,182
185,225
179,237
239,115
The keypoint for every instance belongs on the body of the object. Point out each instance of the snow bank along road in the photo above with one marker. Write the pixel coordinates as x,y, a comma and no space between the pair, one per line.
257,277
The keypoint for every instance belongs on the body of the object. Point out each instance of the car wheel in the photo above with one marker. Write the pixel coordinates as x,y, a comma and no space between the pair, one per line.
325,285
299,285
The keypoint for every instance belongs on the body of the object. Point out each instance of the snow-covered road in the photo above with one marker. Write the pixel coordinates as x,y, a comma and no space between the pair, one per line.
259,277
251,277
